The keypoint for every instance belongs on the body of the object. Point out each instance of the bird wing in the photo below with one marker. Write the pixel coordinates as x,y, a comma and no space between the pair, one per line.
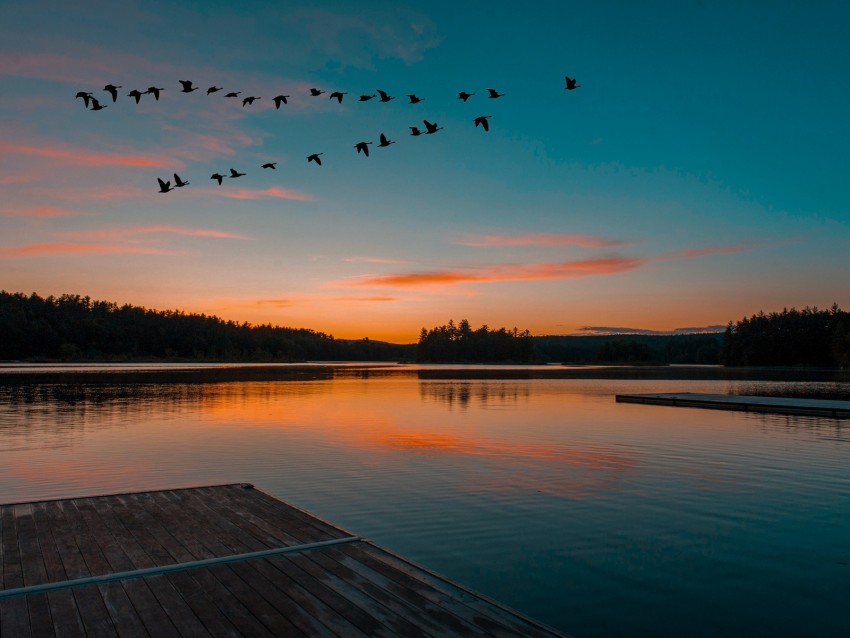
162,185
382,94
383,139
485,124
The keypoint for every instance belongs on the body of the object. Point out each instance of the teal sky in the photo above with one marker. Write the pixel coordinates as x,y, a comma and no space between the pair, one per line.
698,175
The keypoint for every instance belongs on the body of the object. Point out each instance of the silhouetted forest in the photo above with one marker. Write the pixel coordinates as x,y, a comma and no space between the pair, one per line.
808,337
75,328
461,344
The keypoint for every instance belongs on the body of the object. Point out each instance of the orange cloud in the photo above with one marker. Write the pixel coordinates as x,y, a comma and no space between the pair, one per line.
506,272
132,231
46,249
275,192
85,157
541,239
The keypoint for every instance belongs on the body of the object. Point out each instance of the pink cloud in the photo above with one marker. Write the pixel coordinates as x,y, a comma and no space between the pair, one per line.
80,156
542,239
41,212
133,231
274,192
47,249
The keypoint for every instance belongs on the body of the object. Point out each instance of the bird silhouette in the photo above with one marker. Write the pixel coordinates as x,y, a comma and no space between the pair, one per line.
366,98
154,91
217,176
338,95
314,158
213,89
187,86
482,120
463,95
414,99
249,100
430,128
316,92
571,83
96,105
113,91
135,93
86,97
270,165
234,173
362,147
179,182
280,99
384,96
415,131
494,94
164,187
233,94
385,142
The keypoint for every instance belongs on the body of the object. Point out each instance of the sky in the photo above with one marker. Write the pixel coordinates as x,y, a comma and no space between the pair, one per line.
697,176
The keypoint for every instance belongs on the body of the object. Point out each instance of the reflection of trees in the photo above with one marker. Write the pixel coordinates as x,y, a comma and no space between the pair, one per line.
463,392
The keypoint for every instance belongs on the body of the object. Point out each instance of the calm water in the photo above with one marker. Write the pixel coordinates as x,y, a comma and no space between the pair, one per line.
599,518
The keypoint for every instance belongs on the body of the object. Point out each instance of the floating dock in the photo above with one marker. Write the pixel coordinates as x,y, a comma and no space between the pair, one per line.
224,560
780,405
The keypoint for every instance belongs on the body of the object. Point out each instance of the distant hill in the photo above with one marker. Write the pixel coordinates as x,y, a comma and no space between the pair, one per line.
631,348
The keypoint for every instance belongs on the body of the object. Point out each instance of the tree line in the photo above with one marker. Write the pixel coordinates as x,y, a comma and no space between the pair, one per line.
461,344
807,337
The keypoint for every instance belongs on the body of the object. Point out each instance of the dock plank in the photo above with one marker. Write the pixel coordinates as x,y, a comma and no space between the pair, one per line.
834,409
207,562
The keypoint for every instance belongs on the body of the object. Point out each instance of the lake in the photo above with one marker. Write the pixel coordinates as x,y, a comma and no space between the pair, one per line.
536,488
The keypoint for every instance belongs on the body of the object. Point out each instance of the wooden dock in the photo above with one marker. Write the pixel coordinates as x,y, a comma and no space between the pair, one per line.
780,405
219,561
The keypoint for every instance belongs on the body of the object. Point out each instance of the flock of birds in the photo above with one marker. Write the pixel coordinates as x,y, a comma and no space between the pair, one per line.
430,128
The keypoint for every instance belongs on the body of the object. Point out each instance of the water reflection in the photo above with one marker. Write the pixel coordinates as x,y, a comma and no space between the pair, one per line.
483,393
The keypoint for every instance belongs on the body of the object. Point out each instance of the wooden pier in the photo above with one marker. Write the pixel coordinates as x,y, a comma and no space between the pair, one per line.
780,405
219,561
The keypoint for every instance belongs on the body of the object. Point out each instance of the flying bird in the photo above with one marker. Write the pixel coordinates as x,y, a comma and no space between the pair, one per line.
234,173
463,95
366,98
213,89
384,96
316,92
314,158
249,100
154,91
96,105
415,131
482,120
430,128
217,176
280,99
187,86
135,93
164,187
113,91
571,83
384,141
233,94
338,95
414,99
86,97
362,147
270,165
179,182
494,94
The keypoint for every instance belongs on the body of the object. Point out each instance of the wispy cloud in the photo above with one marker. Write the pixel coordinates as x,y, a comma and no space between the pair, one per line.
705,251
81,156
502,272
375,260
295,301
274,192
47,249
620,330
542,239
137,231
41,212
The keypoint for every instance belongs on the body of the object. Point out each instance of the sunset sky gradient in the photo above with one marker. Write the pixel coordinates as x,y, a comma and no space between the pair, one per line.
697,176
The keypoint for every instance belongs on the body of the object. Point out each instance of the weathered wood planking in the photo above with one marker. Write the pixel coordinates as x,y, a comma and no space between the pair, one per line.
780,405
185,563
